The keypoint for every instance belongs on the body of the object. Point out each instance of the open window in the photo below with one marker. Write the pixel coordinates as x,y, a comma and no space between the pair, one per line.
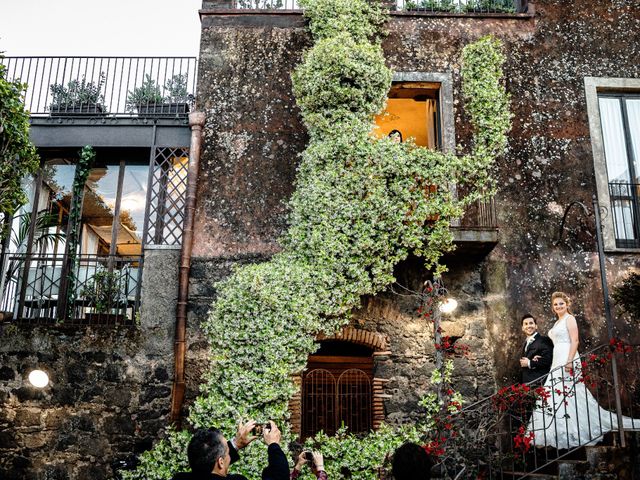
413,111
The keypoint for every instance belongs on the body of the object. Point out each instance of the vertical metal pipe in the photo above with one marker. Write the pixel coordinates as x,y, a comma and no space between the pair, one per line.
607,313
115,226
196,122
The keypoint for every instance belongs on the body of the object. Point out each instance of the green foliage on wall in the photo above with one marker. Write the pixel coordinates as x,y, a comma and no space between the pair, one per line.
83,168
627,295
361,205
18,157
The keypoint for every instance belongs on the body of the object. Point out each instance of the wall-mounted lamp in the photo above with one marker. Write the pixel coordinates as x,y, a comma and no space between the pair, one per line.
38,378
448,305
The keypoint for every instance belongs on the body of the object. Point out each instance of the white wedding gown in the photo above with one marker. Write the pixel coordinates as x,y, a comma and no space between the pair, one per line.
572,416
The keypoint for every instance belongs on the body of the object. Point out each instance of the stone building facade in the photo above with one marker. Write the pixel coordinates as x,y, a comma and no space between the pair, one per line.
254,134
113,393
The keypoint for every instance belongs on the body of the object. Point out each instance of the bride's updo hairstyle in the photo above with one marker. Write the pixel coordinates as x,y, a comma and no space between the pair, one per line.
564,297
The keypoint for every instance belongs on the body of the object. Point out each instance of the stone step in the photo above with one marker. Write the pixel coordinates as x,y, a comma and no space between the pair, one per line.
532,476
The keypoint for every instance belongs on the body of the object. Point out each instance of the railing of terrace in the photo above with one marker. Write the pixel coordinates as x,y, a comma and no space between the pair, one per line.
496,436
105,289
106,86
426,6
463,6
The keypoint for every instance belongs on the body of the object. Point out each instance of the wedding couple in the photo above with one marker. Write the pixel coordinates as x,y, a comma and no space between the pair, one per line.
570,416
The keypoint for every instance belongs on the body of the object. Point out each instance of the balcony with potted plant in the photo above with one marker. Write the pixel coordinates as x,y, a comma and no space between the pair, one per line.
148,99
77,98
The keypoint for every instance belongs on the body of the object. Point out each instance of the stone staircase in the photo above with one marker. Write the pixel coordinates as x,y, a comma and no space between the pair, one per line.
604,461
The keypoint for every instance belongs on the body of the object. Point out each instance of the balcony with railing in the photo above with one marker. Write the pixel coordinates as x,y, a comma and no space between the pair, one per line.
59,289
444,7
477,229
625,209
106,87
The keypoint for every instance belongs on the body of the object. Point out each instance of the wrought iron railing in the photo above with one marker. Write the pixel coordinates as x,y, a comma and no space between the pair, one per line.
625,208
502,438
92,290
425,6
106,86
463,6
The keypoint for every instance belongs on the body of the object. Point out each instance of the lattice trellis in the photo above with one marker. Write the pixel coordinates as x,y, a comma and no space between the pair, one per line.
166,205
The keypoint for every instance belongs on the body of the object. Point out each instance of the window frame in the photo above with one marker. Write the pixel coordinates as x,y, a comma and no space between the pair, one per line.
446,127
596,87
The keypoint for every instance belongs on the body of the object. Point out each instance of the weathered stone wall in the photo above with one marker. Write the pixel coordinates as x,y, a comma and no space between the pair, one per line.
109,393
254,134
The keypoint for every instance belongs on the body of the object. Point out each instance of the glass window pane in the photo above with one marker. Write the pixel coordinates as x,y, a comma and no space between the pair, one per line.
614,141
57,182
132,209
633,114
98,209
18,238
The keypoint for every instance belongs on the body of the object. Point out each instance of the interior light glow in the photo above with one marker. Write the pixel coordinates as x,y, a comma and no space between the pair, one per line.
38,378
448,305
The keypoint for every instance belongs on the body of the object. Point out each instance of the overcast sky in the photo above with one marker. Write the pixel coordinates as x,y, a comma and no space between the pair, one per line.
100,28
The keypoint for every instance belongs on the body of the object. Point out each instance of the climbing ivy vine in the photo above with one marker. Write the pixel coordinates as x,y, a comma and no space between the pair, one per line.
360,206
83,168
18,157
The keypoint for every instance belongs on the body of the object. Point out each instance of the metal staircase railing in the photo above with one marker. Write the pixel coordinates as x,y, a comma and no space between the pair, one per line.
496,436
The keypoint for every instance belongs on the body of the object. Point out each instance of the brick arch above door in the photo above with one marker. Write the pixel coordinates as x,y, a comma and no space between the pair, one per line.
374,340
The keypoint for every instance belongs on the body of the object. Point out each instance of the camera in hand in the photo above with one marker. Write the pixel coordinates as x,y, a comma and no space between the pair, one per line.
261,427
308,456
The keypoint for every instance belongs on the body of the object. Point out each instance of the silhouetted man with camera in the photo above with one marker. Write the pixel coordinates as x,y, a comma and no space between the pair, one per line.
210,454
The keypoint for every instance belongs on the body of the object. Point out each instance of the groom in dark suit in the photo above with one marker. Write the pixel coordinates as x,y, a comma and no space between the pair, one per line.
537,352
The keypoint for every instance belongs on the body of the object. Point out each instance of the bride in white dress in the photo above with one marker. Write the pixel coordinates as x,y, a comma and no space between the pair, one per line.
571,415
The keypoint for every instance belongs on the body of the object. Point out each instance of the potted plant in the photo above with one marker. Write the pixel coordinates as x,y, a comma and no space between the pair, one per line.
148,100
103,293
446,6
491,6
78,97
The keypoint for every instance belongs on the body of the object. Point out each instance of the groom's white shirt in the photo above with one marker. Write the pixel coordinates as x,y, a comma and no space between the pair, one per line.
526,347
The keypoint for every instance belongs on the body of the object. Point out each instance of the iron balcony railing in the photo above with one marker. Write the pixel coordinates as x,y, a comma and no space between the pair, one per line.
498,433
425,6
106,86
48,289
625,208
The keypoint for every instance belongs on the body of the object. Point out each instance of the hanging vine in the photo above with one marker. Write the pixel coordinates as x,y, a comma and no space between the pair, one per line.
360,206
83,167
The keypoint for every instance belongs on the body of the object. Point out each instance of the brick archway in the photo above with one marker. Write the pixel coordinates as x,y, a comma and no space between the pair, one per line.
378,344
375,341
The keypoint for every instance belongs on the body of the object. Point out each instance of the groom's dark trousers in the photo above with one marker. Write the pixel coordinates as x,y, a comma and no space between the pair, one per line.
543,347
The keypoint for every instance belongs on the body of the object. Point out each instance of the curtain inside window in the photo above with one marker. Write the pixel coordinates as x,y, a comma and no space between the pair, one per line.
633,115
614,141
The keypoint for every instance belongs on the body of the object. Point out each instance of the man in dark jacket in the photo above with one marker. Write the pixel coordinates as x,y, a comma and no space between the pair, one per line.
210,454
537,352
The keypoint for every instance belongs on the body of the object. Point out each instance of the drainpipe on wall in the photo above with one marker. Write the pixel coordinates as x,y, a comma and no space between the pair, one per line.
196,122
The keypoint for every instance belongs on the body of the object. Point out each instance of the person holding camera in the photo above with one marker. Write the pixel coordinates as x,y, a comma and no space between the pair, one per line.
210,454
315,462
